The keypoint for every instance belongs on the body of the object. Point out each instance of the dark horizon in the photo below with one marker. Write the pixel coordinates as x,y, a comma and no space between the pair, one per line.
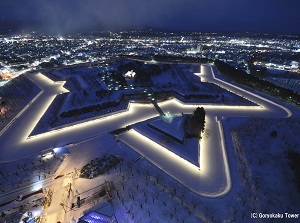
63,17
19,27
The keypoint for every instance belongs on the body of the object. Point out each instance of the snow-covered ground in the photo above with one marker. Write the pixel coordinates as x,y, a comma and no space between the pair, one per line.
14,96
290,83
147,188
263,180
84,83
144,193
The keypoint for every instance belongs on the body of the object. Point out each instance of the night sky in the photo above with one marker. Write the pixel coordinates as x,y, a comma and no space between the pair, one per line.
63,16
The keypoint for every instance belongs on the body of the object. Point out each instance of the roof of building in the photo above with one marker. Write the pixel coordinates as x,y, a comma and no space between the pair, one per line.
103,214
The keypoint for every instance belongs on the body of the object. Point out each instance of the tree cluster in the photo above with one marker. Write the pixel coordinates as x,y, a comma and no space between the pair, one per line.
99,166
116,77
143,71
119,78
194,125
257,83
294,158
91,108
181,59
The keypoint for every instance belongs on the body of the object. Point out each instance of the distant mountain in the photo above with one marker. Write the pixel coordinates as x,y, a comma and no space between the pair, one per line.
12,27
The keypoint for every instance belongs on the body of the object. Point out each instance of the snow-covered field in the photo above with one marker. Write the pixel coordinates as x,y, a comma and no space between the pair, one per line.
84,83
143,190
290,83
144,193
14,96
187,148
